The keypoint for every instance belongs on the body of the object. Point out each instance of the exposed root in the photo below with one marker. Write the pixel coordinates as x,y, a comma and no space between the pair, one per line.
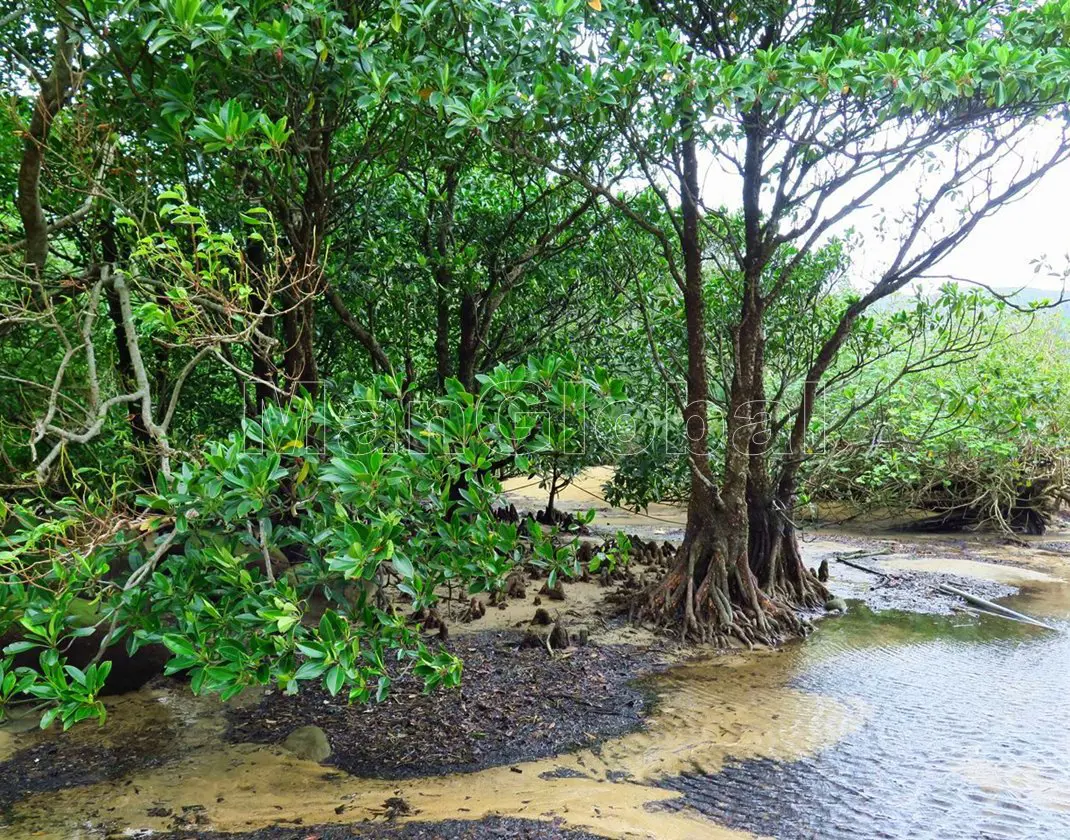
708,601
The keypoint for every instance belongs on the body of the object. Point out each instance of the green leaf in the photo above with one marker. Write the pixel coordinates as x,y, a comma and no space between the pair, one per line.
335,679
180,646
403,566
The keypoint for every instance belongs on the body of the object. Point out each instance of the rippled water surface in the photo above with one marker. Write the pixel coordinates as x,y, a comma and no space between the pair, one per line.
965,735
879,725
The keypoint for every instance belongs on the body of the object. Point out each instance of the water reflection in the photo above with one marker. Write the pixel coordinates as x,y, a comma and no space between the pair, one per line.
965,737
879,725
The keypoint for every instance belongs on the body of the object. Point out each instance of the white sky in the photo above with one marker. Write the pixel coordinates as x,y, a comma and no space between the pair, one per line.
1000,249
998,253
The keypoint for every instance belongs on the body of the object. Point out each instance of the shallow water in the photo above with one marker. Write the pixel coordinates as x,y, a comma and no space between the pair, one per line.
879,725
965,737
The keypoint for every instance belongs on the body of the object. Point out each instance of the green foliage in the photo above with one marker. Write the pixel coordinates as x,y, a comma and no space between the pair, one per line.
390,203
983,437
269,558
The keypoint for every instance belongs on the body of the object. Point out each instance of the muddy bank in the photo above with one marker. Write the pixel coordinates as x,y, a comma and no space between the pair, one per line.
498,828
514,704
52,766
789,743
908,589
145,730
707,714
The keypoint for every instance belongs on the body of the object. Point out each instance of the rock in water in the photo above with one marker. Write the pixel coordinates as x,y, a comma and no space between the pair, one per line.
836,605
309,743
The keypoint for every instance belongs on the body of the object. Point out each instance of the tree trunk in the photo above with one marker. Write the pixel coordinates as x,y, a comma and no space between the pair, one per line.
443,360
55,91
469,341
711,575
712,592
552,497
300,357
298,317
775,555
124,368
124,363
444,278
265,374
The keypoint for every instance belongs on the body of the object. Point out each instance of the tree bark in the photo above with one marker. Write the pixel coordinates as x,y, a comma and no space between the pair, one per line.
713,593
55,90
698,591
444,278
443,358
124,363
299,359
265,373
468,344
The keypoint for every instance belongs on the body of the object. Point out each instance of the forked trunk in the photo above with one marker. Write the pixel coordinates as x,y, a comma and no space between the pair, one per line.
776,558
712,593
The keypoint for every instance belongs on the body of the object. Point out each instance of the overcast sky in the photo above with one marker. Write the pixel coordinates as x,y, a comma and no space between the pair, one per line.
1001,250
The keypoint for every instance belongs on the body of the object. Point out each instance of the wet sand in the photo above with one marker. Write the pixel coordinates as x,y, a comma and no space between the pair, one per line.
766,743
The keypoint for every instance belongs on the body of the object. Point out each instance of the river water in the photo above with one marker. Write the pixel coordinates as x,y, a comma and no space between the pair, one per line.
964,736
878,725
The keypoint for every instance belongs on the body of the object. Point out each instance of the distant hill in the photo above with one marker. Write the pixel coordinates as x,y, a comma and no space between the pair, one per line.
1018,297
1029,296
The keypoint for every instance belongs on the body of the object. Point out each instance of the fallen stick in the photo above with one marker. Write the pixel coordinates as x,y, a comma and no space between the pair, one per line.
859,566
862,554
1004,612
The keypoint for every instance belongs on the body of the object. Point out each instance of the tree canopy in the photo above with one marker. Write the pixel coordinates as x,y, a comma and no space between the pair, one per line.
286,290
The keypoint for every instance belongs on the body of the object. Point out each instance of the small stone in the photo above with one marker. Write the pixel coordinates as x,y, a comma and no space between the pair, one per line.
309,743
531,640
514,586
836,605
397,807
476,609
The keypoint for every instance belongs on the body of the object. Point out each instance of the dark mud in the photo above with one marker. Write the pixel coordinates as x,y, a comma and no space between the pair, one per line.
911,591
513,705
49,767
62,762
499,828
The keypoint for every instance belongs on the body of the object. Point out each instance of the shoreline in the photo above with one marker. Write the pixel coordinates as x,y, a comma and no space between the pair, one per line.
585,696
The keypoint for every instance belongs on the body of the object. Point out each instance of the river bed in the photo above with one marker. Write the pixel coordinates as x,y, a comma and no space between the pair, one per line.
880,724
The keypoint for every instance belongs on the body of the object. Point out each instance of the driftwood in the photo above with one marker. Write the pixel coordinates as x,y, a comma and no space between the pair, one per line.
849,559
1004,612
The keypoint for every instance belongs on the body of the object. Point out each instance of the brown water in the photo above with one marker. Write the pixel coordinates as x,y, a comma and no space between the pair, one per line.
890,725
